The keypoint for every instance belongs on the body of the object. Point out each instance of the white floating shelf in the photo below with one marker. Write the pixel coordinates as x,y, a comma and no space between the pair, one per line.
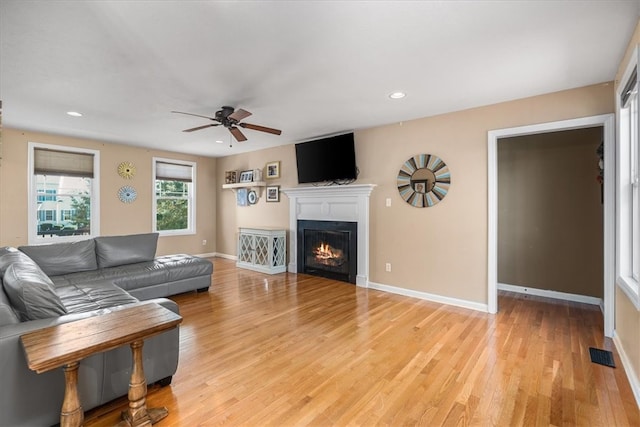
244,185
258,185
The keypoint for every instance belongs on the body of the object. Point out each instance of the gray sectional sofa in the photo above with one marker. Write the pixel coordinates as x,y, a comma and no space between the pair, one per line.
46,285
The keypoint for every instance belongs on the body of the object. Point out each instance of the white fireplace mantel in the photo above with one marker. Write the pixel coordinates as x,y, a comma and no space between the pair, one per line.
332,203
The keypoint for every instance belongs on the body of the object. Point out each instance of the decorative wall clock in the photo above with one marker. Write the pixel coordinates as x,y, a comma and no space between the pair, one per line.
127,194
423,180
126,170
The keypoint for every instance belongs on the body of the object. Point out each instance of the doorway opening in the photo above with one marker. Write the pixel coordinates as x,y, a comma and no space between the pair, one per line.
606,123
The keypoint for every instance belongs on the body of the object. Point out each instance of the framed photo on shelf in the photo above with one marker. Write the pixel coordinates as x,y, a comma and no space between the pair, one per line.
273,170
273,193
246,176
230,177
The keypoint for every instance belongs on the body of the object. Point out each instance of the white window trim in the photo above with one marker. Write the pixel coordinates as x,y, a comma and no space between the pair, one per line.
192,220
95,195
624,279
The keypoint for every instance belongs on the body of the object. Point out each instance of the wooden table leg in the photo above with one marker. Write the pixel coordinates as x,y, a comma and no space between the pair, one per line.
72,414
138,415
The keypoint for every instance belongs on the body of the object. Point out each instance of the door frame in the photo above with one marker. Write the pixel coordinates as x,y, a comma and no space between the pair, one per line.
607,122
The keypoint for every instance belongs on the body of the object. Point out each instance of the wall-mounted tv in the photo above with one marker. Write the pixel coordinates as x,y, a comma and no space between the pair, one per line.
327,159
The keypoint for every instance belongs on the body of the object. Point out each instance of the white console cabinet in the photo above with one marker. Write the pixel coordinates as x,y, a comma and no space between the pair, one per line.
263,250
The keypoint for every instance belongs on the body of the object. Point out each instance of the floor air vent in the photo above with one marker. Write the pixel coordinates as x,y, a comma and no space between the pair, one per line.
602,357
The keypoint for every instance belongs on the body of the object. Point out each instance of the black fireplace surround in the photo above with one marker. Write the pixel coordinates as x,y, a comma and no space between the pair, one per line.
328,249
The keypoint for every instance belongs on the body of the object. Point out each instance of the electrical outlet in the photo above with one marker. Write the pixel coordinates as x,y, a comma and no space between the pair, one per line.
388,267
388,201
204,243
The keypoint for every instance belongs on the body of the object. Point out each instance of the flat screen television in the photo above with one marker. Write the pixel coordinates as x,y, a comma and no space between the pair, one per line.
327,159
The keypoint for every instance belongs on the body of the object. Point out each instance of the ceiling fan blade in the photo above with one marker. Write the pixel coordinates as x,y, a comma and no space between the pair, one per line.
237,134
191,114
239,114
260,128
200,127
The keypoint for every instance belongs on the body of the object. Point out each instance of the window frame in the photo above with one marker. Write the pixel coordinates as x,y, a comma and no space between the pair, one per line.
191,221
627,192
32,216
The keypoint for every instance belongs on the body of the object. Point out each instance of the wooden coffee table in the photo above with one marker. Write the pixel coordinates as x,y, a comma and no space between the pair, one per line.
67,344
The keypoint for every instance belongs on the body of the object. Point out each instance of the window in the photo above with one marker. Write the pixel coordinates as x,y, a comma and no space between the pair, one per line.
63,184
174,201
628,203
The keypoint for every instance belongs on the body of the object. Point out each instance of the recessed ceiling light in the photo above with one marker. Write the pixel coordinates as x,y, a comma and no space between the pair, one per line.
74,113
397,95
219,141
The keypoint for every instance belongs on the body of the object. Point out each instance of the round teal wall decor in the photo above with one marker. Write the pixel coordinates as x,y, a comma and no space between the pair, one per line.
127,194
424,180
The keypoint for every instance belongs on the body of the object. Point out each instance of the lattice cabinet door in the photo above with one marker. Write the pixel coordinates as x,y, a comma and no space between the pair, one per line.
245,248
262,249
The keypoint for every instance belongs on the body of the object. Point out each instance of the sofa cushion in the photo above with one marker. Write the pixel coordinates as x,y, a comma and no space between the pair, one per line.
62,258
120,250
84,297
31,292
9,255
7,315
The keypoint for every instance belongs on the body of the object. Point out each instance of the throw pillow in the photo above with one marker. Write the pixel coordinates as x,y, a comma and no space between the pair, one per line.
31,292
9,256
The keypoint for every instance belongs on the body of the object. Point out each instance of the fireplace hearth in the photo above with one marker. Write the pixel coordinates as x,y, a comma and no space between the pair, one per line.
328,249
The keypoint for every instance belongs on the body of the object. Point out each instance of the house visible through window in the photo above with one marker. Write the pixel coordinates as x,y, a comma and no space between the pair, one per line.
174,202
63,195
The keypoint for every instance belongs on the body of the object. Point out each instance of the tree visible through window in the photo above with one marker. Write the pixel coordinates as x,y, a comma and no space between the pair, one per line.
174,188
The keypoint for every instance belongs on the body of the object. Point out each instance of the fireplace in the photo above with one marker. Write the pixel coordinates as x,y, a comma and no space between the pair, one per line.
328,249
333,203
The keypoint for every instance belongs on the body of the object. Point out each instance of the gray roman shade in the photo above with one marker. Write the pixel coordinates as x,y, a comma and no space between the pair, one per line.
67,163
174,172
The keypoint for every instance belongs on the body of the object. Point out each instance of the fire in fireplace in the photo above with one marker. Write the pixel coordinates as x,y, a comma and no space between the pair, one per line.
328,249
327,255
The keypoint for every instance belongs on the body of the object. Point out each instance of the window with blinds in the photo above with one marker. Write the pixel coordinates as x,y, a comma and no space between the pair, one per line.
628,230
174,201
63,199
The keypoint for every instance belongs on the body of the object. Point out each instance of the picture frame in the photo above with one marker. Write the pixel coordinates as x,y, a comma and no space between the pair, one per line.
246,176
273,193
241,197
230,177
273,170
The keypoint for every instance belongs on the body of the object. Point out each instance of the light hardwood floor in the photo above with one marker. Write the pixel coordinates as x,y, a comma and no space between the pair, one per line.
292,349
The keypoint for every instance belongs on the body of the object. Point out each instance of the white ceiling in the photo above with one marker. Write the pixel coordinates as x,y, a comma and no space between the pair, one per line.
310,68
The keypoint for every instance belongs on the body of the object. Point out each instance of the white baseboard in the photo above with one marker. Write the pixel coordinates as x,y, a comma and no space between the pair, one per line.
225,256
207,255
551,294
632,376
429,297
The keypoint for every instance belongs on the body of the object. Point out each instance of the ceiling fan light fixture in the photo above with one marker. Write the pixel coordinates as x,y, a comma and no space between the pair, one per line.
74,114
397,95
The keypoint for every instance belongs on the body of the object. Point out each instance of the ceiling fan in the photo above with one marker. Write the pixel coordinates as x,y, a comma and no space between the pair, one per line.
230,118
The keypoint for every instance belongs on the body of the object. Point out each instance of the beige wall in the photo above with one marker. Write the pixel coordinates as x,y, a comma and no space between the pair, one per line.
271,214
627,316
440,250
550,214
115,217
